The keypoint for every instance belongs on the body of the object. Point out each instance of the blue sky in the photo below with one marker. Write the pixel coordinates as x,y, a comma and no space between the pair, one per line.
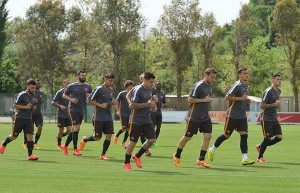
224,10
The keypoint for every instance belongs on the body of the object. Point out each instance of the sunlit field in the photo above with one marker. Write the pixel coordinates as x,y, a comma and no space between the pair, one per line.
54,172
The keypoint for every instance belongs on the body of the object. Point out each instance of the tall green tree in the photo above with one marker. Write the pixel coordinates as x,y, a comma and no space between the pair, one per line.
210,34
119,23
286,22
83,47
38,41
3,20
262,63
179,23
245,29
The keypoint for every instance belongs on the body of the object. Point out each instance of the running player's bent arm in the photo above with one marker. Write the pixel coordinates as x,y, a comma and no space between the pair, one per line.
193,100
134,105
264,105
233,98
128,97
57,104
66,97
28,106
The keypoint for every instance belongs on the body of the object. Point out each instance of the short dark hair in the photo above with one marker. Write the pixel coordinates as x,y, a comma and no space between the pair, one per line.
209,71
240,70
275,75
31,82
109,75
148,76
79,72
128,83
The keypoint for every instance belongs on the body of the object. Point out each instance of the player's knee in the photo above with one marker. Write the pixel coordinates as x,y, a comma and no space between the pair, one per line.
14,136
227,136
245,136
151,141
207,137
97,138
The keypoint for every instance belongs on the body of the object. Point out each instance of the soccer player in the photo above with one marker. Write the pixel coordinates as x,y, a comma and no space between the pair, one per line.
102,99
154,98
76,93
37,117
156,116
270,125
23,119
63,119
236,118
123,111
198,118
141,102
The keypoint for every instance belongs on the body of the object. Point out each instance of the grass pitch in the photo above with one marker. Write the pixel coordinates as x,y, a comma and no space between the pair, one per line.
54,172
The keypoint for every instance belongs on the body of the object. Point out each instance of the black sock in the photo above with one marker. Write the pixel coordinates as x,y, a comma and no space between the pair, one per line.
219,140
263,147
69,139
274,141
58,141
125,137
143,139
157,131
37,138
106,144
29,147
127,158
140,152
244,143
202,155
75,139
25,138
178,152
6,141
119,133
90,138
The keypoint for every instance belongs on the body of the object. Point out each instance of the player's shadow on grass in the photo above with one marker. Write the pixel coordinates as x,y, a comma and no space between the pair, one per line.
288,163
42,161
160,156
165,146
111,159
165,173
57,150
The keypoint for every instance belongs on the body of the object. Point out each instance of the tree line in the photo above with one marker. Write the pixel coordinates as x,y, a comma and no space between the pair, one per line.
52,42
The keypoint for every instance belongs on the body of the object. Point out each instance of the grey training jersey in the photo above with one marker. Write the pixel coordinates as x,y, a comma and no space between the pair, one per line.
161,100
24,98
102,95
38,96
237,109
198,112
270,96
60,100
123,103
79,91
141,95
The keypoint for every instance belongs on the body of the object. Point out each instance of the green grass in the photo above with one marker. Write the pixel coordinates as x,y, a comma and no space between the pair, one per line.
54,172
